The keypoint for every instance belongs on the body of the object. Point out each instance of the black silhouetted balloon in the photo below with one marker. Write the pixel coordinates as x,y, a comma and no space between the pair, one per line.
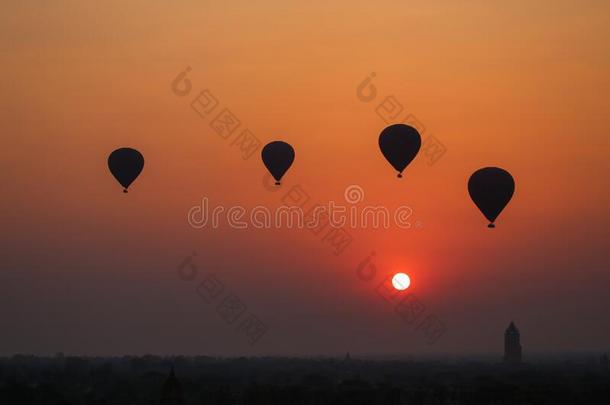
491,188
399,144
277,157
125,164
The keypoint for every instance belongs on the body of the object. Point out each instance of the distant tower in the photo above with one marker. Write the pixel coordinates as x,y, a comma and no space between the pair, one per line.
604,362
512,344
348,367
172,391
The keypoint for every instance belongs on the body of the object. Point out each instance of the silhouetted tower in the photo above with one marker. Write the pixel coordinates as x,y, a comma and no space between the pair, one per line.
512,344
604,362
349,368
172,391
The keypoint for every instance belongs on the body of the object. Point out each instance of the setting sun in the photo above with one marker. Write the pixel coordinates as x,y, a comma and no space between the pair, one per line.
401,281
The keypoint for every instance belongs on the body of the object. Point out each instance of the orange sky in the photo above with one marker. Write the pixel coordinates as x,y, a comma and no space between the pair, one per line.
87,269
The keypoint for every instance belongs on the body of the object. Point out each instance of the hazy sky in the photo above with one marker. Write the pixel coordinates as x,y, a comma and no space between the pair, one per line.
86,269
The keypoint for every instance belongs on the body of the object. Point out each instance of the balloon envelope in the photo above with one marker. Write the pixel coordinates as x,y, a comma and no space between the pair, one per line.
491,188
277,157
125,164
399,144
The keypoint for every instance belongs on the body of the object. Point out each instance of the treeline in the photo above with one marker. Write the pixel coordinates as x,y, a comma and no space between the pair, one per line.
65,380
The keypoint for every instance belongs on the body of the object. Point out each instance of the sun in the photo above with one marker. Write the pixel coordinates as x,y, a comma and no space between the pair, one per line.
401,281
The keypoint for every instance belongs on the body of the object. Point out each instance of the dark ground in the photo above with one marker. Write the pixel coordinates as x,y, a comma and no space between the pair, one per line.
206,380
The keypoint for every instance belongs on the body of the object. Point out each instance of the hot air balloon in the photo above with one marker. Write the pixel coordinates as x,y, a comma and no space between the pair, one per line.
399,144
125,164
277,157
491,188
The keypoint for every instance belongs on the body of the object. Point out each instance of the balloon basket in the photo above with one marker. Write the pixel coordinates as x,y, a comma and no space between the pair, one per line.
491,226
